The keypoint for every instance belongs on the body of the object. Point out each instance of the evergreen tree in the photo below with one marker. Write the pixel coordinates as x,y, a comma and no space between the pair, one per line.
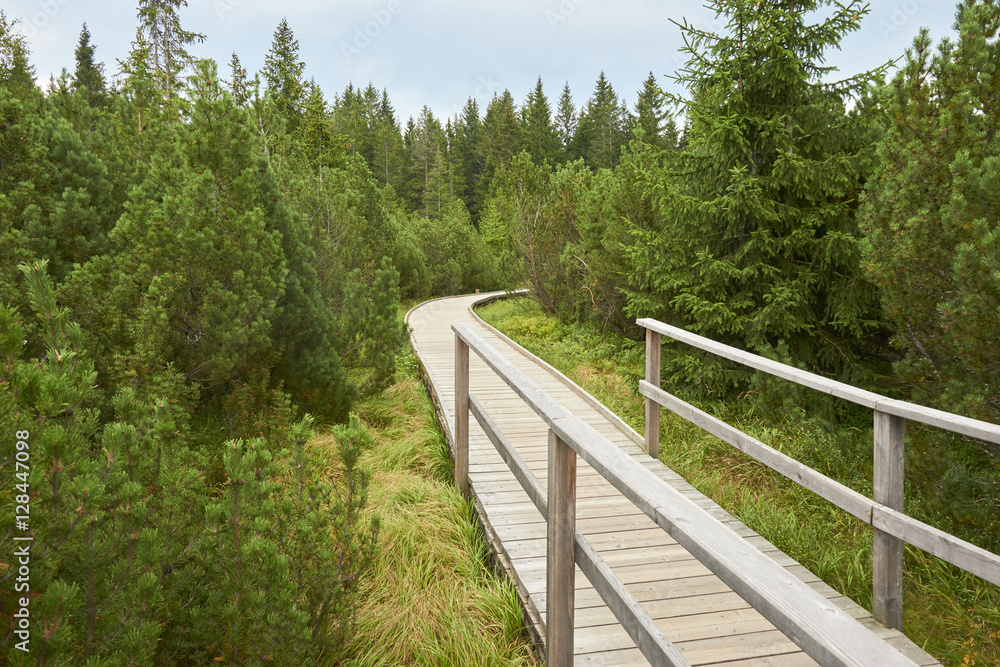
602,128
239,86
540,137
468,150
388,144
656,123
566,120
283,73
758,244
501,138
16,74
88,76
163,44
931,212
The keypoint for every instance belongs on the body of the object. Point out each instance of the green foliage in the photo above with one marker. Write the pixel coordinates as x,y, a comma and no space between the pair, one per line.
88,76
931,212
135,558
756,240
283,73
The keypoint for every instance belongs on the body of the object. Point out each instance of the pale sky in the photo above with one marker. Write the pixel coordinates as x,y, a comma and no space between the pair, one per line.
441,52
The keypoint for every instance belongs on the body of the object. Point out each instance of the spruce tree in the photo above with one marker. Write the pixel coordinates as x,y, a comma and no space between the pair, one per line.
283,73
758,244
602,127
931,212
163,42
468,148
566,120
89,76
657,125
539,134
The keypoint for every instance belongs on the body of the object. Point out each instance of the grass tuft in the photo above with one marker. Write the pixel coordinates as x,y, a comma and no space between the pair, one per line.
431,598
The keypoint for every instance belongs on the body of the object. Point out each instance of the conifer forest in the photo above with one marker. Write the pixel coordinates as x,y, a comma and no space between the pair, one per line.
202,266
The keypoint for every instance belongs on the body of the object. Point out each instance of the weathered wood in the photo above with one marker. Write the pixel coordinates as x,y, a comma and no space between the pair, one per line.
461,416
652,431
528,482
824,631
947,547
946,420
655,646
887,550
636,621
560,569
630,546
840,495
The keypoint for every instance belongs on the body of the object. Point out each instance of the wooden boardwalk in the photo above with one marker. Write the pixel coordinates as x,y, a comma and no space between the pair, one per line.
708,622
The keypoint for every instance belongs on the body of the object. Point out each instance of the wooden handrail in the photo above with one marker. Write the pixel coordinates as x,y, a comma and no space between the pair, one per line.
885,512
823,630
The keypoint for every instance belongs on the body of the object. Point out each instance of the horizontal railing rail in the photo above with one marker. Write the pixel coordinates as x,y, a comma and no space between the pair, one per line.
824,631
885,511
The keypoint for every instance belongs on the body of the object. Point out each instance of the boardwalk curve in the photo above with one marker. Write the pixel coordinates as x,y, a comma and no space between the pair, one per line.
699,614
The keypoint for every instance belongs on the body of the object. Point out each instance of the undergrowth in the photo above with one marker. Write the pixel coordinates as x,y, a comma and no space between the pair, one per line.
951,614
431,597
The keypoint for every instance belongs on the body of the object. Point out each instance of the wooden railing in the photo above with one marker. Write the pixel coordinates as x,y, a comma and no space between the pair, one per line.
823,630
885,511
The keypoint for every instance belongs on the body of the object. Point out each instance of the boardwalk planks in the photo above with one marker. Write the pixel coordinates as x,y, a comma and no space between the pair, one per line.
694,609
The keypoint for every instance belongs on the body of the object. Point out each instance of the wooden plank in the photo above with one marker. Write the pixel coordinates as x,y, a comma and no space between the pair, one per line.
462,416
947,547
652,428
887,574
648,637
946,420
560,573
842,496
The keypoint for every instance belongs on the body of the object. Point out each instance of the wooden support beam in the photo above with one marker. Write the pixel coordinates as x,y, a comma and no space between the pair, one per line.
560,566
652,407
887,601
462,416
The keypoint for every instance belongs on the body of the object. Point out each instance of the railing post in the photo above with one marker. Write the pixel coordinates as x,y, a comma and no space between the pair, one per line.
652,407
887,594
560,565
461,415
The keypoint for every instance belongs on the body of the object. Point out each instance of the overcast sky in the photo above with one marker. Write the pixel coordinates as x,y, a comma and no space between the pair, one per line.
441,52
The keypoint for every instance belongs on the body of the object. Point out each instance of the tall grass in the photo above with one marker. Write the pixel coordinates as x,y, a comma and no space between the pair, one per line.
431,598
953,615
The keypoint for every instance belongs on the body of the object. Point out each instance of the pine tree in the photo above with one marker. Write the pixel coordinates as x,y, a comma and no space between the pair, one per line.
931,212
88,76
540,137
758,244
283,73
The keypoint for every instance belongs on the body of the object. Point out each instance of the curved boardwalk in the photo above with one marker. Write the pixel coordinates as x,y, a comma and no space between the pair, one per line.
707,621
